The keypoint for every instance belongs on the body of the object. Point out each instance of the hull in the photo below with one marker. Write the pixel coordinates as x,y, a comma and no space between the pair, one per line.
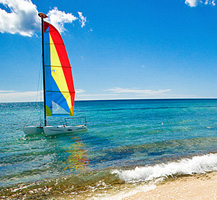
33,130
56,130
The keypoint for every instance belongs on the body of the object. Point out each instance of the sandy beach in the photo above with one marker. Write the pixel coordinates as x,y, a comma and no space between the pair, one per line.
191,187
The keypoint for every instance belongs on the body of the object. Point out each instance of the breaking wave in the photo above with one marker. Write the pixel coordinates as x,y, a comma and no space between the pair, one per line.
195,165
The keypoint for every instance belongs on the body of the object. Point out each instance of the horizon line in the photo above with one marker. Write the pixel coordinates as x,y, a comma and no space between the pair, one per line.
124,99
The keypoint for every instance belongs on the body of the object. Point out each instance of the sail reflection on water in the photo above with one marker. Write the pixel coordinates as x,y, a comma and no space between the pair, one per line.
77,159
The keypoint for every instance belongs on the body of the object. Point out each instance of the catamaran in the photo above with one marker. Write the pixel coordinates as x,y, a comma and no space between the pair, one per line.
58,86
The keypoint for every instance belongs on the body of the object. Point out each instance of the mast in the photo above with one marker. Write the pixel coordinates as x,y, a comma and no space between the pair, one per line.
42,15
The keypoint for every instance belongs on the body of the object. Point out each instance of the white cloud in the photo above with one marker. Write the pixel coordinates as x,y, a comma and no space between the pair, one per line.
95,96
112,94
6,91
22,18
123,93
82,19
59,18
14,96
194,3
79,91
132,95
191,3
144,92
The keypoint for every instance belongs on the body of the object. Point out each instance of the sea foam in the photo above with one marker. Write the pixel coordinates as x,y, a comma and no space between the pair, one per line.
195,165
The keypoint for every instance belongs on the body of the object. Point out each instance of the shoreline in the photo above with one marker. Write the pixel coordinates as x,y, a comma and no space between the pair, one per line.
189,187
188,179
192,187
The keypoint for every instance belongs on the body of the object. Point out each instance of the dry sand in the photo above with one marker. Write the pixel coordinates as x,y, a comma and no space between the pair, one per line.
197,187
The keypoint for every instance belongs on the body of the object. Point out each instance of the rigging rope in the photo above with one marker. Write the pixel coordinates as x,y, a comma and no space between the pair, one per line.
38,95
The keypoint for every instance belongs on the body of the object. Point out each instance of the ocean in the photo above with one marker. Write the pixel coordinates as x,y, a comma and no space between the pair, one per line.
128,143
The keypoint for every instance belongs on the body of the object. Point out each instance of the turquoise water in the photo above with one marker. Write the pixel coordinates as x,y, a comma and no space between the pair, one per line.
123,136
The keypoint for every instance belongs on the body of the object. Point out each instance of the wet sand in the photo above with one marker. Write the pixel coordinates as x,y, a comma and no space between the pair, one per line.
196,187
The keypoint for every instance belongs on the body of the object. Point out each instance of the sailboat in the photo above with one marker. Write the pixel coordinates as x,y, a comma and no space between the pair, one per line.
58,86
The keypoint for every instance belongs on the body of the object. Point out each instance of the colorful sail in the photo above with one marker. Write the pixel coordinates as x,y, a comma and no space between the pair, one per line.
59,87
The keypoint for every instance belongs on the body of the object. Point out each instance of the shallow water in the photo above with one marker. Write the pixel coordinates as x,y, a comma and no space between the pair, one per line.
127,141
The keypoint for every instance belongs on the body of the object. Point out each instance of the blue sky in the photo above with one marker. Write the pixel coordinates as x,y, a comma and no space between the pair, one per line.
118,49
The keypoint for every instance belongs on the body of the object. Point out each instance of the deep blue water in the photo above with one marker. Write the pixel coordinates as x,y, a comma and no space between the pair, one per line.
122,134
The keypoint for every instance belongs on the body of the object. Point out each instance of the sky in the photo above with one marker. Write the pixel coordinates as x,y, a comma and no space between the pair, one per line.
118,49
